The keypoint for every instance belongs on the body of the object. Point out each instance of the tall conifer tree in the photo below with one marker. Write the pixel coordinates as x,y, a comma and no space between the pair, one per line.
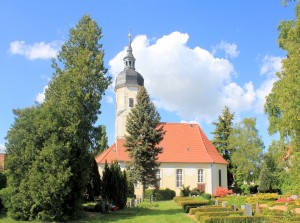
221,139
143,136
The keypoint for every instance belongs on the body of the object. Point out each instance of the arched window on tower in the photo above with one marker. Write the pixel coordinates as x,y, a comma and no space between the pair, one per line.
129,63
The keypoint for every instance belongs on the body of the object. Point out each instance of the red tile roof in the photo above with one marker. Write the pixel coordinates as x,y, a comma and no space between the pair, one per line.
2,158
182,143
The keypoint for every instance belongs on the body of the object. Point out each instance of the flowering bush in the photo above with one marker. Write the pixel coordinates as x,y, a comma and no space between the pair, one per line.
221,192
284,200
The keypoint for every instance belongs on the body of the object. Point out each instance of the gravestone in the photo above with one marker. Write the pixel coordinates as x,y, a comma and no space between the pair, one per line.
216,202
248,210
224,204
233,207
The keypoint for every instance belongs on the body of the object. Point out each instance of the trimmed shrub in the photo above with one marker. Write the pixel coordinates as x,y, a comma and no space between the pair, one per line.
209,209
199,215
186,205
206,196
160,195
235,219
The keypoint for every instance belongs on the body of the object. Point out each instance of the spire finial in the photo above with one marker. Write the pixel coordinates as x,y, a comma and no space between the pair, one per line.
129,35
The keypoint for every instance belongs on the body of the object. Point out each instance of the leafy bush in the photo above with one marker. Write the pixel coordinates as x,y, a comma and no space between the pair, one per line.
222,192
262,197
195,192
206,196
160,195
185,191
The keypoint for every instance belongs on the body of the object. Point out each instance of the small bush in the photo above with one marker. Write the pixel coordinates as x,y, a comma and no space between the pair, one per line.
160,195
206,196
185,191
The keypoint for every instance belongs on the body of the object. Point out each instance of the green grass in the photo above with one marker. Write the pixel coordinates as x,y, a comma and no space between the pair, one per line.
158,212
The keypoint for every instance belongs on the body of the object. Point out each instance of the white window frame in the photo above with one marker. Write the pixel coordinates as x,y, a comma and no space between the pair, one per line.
159,178
179,178
201,176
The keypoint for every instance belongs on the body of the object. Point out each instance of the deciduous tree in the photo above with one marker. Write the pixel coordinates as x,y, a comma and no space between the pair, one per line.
247,150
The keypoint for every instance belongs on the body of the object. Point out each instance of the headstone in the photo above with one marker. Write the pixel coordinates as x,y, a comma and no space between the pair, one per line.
136,202
216,202
243,207
224,204
257,211
233,207
151,198
131,203
248,210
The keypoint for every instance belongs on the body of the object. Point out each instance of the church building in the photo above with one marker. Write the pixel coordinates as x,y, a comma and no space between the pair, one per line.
188,157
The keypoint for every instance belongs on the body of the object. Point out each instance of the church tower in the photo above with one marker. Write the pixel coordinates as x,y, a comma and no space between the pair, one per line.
127,85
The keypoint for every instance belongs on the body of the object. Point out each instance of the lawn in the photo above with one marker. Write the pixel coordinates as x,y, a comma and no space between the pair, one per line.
158,212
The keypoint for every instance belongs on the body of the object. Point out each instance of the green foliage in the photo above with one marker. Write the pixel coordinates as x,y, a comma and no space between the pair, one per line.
94,182
247,150
283,103
114,185
235,219
206,196
200,215
144,134
207,209
160,194
47,162
291,180
185,191
221,139
100,140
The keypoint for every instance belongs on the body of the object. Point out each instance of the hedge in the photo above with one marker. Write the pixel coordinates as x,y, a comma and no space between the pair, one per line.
236,219
160,195
200,215
209,209
186,205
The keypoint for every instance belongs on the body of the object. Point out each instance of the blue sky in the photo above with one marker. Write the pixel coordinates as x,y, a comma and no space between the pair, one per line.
196,56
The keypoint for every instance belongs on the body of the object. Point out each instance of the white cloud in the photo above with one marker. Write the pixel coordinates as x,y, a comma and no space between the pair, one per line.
189,81
230,49
271,65
35,51
2,148
40,98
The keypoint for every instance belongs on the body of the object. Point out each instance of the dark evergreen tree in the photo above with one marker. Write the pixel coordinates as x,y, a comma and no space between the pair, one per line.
265,179
48,146
114,185
221,140
144,135
94,183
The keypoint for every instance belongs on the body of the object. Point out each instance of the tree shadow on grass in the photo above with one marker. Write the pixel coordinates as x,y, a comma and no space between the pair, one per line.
125,214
